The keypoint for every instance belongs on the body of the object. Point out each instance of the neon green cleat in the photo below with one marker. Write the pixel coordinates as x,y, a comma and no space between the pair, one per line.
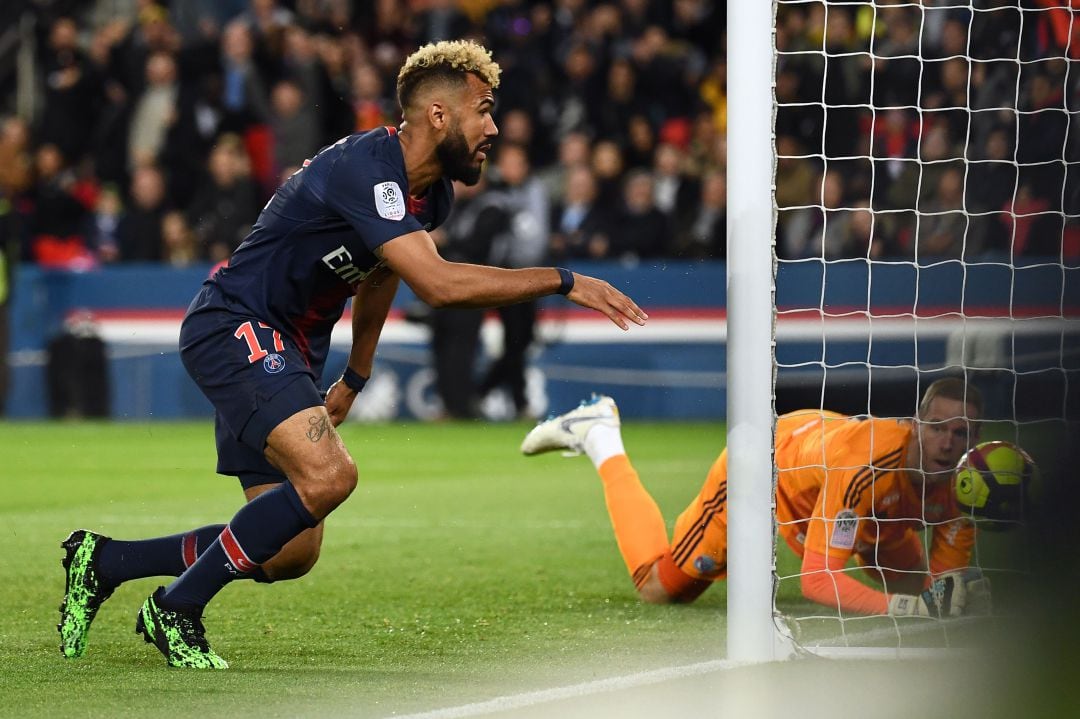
83,592
179,636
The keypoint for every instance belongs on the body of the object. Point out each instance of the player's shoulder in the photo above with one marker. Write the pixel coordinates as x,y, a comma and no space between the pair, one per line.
374,150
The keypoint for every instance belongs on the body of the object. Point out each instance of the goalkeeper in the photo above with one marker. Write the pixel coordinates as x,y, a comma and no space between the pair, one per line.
848,487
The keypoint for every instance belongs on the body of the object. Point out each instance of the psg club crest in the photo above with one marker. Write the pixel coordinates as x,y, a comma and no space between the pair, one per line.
273,363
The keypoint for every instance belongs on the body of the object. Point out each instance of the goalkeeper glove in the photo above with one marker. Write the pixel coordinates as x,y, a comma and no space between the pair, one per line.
977,593
945,598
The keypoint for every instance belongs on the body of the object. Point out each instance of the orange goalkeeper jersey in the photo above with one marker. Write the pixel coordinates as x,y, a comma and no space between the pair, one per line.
842,489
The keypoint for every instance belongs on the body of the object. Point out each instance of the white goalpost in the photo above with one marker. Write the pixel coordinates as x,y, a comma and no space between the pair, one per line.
940,235
752,636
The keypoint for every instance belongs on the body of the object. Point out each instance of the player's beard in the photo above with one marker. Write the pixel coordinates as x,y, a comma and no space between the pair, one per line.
457,160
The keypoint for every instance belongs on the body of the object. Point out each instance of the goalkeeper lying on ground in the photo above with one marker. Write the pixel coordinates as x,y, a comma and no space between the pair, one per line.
859,487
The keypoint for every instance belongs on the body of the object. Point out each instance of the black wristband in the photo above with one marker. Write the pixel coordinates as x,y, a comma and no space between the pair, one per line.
353,381
567,280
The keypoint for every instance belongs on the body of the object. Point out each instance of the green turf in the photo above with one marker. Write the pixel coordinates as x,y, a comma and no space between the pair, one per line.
458,567
458,570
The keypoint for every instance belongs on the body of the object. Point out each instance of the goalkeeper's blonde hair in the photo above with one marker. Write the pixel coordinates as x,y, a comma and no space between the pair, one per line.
954,388
447,60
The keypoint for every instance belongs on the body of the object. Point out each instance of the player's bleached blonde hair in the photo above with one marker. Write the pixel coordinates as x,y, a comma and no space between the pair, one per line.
447,60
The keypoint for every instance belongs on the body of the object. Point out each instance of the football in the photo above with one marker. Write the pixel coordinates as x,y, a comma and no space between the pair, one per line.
994,480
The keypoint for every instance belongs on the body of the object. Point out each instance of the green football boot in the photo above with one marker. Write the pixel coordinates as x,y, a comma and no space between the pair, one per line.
180,636
83,593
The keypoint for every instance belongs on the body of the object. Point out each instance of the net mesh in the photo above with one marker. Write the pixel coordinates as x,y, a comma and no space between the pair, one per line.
928,225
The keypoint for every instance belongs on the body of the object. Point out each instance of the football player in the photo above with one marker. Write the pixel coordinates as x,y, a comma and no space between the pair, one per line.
856,487
350,224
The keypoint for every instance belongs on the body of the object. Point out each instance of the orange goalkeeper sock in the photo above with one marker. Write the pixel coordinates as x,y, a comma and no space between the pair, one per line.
639,527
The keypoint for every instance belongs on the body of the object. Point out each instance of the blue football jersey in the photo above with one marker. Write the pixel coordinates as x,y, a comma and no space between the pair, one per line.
314,241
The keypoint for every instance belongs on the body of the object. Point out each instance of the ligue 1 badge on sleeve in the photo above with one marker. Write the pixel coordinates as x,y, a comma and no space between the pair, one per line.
389,202
845,526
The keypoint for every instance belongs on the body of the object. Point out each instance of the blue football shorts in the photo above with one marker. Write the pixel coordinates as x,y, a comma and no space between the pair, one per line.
255,377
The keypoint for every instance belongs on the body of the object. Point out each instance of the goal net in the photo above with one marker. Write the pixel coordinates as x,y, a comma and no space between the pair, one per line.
927,224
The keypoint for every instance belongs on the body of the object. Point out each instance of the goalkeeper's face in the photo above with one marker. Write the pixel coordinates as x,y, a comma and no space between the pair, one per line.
946,430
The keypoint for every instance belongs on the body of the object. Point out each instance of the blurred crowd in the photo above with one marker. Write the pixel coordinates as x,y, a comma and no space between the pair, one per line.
155,130
160,129
929,130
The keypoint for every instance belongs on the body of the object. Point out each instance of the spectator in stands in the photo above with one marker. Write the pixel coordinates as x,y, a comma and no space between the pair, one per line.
1031,226
523,242
180,247
713,92
577,90
640,145
675,192
441,20
660,68
794,118
110,136
701,234
895,138
917,181
154,111
896,64
139,231
700,24
56,227
619,102
300,64
819,230
294,127
943,227
339,117
72,92
641,230
244,96
128,55
268,22
581,227
108,210
574,149
796,179
705,146
466,236
607,167
371,107
1042,131
16,164
634,72
225,208
990,186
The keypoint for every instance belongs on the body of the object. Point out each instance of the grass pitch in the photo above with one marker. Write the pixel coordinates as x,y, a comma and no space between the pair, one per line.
458,571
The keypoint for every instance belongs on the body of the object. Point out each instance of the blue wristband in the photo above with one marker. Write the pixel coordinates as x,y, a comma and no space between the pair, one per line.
566,280
353,381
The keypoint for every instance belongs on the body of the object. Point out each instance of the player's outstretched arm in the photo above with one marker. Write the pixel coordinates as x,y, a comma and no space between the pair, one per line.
456,284
370,308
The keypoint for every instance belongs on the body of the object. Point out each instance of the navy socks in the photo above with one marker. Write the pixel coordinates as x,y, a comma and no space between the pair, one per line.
120,561
256,533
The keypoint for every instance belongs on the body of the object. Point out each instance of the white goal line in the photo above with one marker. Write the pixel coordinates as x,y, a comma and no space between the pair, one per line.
656,676
574,691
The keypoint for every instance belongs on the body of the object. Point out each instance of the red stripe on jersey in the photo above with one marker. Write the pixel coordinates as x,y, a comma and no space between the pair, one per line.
390,130
236,554
415,205
189,549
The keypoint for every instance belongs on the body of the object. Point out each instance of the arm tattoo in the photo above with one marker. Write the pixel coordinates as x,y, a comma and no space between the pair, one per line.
319,427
